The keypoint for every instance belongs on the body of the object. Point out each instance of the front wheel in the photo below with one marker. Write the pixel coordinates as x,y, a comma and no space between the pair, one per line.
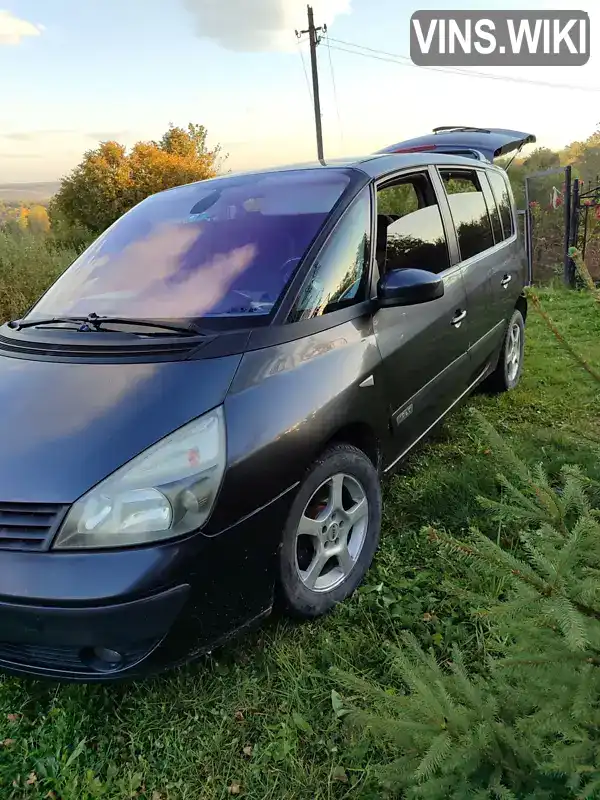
331,534
507,374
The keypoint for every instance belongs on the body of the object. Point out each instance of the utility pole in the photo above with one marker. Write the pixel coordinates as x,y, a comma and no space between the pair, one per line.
315,40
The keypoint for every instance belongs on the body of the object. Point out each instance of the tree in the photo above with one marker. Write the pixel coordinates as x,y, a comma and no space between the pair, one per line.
109,180
38,220
541,159
23,218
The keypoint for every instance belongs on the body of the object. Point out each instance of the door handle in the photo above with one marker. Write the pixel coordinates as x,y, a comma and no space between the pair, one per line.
459,318
505,281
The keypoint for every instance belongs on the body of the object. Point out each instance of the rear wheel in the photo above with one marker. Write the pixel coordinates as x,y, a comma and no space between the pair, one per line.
331,534
507,374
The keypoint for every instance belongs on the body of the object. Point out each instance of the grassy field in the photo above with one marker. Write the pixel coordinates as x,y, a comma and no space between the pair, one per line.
256,719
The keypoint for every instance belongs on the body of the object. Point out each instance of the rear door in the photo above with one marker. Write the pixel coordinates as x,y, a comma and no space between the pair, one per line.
424,348
480,251
509,265
484,144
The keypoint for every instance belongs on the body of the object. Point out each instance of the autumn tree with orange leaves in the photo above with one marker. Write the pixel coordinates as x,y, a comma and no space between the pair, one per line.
110,180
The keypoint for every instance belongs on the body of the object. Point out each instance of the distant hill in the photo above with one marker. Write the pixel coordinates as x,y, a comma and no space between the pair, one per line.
28,192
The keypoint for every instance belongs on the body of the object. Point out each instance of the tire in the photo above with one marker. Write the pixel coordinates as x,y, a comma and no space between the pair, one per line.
508,371
320,564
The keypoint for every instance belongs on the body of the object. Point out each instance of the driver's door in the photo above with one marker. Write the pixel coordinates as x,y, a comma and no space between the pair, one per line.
424,347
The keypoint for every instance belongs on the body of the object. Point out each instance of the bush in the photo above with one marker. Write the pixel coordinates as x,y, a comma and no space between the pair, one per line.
29,264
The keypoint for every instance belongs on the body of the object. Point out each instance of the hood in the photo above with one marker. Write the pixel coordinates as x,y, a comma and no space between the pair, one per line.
64,427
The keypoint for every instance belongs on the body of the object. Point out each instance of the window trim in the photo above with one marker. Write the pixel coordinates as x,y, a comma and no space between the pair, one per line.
447,224
342,313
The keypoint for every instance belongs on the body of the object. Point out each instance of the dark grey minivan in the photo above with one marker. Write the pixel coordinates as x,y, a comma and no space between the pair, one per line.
197,415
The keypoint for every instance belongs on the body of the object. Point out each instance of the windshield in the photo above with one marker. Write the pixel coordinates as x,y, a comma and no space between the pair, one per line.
220,248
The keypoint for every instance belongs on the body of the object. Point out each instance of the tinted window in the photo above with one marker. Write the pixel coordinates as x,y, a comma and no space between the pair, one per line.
469,212
492,208
500,189
399,199
340,274
410,232
212,249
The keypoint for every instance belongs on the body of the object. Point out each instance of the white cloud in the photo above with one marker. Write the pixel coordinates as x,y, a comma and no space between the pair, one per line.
13,30
258,25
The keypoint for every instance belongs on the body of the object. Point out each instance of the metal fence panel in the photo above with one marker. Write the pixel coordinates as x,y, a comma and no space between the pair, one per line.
548,219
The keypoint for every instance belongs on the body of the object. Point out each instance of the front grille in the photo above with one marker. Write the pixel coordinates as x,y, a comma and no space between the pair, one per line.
29,526
62,658
66,659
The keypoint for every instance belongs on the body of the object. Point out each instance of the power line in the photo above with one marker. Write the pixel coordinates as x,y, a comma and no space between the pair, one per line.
405,61
335,95
305,70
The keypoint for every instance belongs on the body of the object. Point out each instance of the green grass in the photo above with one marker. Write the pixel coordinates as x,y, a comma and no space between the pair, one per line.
182,735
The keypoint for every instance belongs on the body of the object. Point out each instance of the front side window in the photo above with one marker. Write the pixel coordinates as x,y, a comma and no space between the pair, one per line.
410,231
502,195
221,248
469,212
339,277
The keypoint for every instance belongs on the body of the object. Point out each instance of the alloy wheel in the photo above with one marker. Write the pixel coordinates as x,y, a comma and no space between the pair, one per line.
331,533
513,352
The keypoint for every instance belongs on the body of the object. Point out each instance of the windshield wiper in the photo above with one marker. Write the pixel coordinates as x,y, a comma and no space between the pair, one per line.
93,322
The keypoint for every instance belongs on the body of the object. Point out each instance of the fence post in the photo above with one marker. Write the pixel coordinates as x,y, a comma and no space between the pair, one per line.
568,272
528,233
575,212
575,223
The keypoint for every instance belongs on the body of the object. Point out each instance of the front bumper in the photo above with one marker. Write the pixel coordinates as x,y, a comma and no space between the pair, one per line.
68,615
97,640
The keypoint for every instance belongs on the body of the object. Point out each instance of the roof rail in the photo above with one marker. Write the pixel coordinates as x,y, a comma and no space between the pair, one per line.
448,128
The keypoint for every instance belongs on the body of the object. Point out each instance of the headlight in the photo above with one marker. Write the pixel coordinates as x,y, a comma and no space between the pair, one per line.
167,491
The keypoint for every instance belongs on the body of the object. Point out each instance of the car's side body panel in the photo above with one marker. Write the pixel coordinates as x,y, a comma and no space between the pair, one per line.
425,359
300,394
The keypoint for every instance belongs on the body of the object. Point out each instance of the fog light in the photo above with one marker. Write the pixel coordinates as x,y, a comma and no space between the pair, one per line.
102,659
110,657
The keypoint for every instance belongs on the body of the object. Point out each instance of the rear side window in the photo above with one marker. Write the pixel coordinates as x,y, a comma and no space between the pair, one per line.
492,208
469,212
340,274
410,231
502,195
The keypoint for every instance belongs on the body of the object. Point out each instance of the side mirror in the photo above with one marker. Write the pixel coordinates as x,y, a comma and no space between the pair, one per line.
409,287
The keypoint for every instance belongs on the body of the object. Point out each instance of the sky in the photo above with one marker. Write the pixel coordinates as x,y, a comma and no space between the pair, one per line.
76,73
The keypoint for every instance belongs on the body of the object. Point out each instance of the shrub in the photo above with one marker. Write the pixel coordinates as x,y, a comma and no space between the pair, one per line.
29,264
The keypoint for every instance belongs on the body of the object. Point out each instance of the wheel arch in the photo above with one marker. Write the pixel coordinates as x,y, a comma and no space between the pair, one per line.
360,435
522,306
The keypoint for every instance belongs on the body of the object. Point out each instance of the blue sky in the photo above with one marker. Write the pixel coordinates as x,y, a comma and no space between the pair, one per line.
78,72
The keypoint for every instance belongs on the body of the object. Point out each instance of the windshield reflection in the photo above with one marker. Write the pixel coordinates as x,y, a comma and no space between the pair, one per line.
222,248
